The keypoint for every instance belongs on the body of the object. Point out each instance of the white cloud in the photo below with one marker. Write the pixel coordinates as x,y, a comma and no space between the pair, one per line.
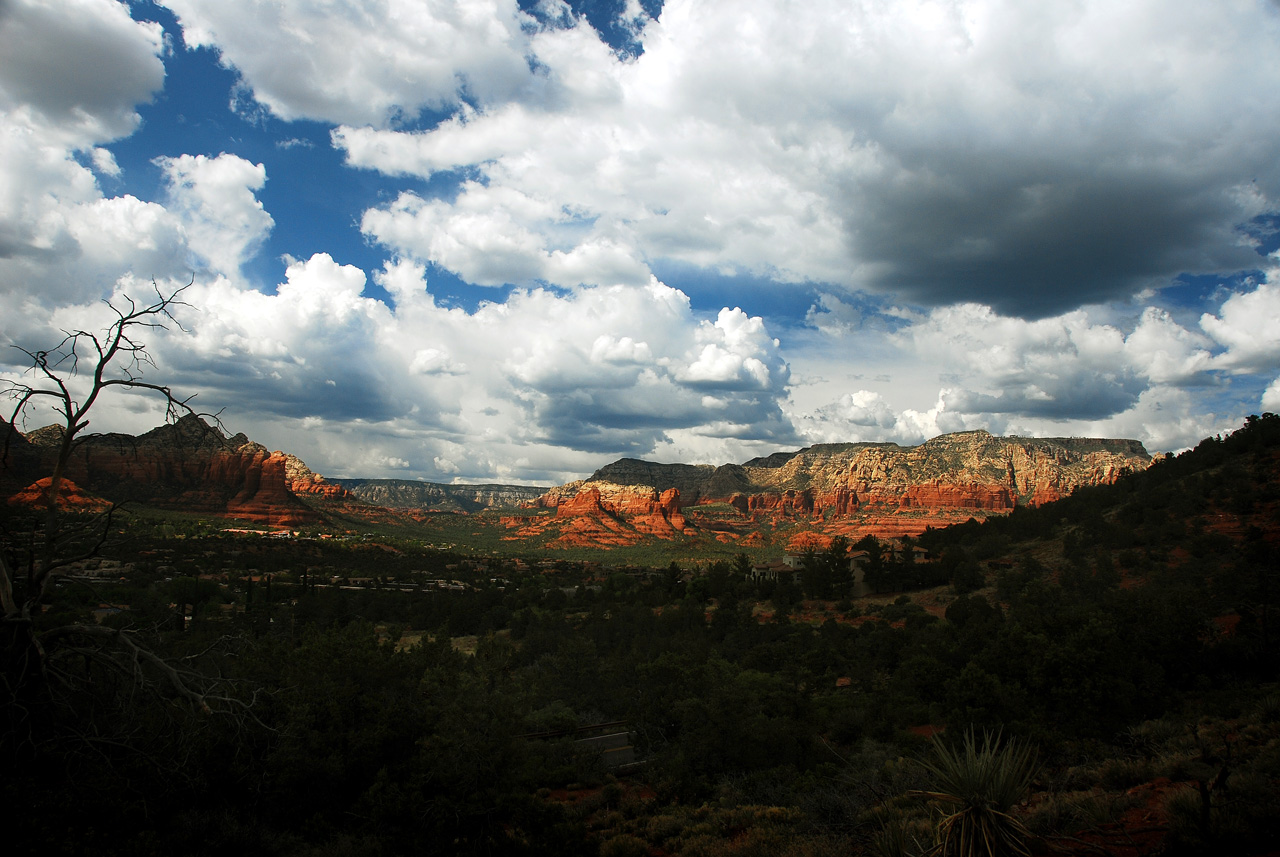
731,357
77,68
545,378
105,162
1064,367
72,75
1165,352
493,237
980,150
1064,375
316,348
1271,397
624,350
214,198
1004,164
124,234
362,63
1165,419
1248,324
434,361
1055,368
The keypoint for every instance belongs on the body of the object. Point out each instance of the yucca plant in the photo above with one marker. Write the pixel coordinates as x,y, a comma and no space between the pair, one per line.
975,786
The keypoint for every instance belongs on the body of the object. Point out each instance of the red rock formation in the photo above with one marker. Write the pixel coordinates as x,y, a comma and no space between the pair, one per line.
816,542
71,497
669,506
841,501
858,488
187,465
789,502
595,531
971,496
606,498
584,503
301,479
265,496
641,507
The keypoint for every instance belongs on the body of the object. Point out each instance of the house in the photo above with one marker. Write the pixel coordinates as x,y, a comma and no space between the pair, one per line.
791,564
770,571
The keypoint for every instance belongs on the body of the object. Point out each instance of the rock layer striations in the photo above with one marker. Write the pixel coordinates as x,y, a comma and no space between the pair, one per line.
193,466
904,489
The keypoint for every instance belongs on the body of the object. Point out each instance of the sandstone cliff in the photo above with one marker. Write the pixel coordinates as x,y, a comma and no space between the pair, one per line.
303,480
941,479
70,497
188,465
645,509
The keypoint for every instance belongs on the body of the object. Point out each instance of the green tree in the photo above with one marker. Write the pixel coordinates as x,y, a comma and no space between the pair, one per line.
875,569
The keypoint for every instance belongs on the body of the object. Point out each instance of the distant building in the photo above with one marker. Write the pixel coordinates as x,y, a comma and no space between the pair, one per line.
770,570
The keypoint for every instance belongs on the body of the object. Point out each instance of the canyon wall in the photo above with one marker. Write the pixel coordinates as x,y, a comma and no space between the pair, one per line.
948,475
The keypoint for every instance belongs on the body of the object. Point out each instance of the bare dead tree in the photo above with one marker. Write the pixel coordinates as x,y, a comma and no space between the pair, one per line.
71,379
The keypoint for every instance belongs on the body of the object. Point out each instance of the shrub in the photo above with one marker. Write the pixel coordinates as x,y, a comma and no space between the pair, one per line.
1064,813
624,845
1124,773
900,837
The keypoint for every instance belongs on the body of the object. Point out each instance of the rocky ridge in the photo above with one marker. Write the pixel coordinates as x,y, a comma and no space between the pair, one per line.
303,480
870,487
436,496
70,497
193,466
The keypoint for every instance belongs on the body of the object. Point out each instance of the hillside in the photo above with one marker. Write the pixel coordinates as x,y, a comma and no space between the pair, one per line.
407,494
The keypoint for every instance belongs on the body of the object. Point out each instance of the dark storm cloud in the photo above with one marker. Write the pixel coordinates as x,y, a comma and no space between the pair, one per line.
1046,238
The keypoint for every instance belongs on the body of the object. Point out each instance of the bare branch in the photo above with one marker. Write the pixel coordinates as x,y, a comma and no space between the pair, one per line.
119,360
177,679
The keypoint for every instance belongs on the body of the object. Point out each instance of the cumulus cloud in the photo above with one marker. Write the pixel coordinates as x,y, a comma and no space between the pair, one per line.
490,237
1032,160
1271,397
637,366
214,199
316,348
868,416
1061,367
544,378
1067,374
963,185
72,76
1246,325
1051,368
105,162
359,63
1164,352
1165,419
75,70
1028,159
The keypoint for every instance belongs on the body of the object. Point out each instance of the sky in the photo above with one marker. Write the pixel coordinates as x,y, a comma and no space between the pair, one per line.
501,241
